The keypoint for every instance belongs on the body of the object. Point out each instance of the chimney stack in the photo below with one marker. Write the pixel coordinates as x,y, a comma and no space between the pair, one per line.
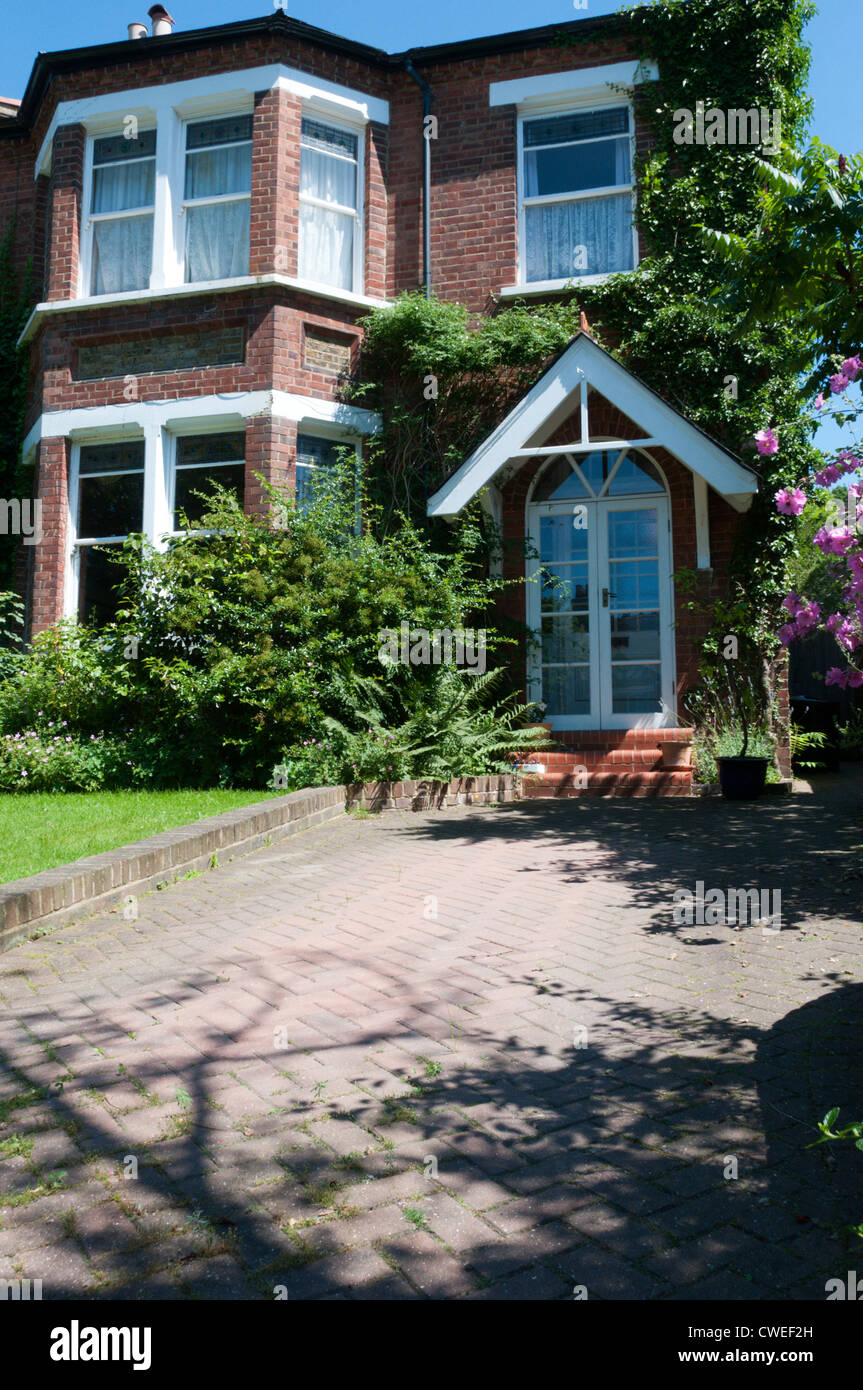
162,21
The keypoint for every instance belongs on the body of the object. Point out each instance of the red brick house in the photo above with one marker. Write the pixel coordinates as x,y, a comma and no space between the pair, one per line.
212,211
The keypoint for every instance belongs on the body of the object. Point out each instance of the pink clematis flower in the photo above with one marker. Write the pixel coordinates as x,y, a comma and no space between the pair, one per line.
831,474
807,618
835,677
790,501
834,540
851,367
819,401
838,383
767,442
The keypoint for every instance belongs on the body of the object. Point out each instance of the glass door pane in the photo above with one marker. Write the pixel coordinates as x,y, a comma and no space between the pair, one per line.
565,613
633,611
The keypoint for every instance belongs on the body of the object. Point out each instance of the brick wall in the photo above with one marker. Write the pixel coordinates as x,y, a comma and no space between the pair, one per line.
23,200
474,212
271,447
275,184
49,557
64,211
474,206
272,322
294,341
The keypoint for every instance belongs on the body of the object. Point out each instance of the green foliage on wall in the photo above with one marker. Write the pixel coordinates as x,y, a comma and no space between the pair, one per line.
663,321
15,300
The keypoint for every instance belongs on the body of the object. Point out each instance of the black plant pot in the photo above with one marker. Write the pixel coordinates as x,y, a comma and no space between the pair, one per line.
742,779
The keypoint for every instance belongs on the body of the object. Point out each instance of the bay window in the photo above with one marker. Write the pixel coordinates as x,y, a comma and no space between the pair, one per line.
330,241
577,195
121,212
217,198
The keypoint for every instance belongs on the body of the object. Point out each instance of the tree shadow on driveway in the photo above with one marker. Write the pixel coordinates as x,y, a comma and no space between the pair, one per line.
810,847
642,1162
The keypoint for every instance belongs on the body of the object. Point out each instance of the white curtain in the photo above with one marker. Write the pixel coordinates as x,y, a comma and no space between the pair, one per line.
327,177
122,254
555,232
326,246
217,241
121,186
210,173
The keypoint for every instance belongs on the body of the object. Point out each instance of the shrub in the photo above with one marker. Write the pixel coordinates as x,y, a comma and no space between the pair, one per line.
253,643
400,728
39,762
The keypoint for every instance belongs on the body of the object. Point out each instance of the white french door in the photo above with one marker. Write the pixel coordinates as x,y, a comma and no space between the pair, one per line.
600,611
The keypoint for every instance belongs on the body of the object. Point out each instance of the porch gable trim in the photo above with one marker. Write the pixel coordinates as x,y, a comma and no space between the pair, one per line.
585,363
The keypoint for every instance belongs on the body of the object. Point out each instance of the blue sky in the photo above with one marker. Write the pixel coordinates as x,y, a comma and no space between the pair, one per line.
836,37
836,34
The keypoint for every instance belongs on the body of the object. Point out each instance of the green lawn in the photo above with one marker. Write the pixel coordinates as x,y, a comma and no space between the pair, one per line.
41,830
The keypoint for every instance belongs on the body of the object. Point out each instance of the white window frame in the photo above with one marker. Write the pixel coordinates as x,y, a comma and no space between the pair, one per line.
598,506
317,430
319,112
87,242
171,441
571,107
180,185
75,542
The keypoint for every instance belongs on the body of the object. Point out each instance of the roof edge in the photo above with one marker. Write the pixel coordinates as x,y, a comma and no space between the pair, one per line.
278,23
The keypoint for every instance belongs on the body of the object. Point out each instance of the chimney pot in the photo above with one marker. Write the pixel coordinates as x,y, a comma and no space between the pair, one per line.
162,21
137,30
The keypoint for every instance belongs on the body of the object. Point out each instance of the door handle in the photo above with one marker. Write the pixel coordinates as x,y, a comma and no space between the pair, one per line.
606,595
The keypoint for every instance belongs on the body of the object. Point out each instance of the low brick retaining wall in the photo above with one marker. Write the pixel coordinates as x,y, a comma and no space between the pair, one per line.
430,796
31,906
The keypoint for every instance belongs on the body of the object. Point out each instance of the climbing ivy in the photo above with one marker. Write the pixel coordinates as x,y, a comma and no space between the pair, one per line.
15,300
441,382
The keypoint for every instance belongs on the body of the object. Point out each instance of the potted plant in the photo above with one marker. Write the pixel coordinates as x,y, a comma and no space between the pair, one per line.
735,704
742,776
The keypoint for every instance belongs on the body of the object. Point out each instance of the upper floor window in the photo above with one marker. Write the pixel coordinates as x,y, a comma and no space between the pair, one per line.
217,198
172,204
330,241
121,212
577,195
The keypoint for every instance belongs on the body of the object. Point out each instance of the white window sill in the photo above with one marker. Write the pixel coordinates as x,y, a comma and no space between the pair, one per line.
550,286
241,282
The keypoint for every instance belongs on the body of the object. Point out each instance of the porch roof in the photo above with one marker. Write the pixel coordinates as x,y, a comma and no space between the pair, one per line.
546,405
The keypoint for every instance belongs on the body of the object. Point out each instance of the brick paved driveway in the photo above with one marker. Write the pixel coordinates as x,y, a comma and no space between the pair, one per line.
458,1055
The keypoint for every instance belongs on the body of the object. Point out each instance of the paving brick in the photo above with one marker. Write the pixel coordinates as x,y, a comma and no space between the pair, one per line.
533,1284
429,1266
62,1269
554,1165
